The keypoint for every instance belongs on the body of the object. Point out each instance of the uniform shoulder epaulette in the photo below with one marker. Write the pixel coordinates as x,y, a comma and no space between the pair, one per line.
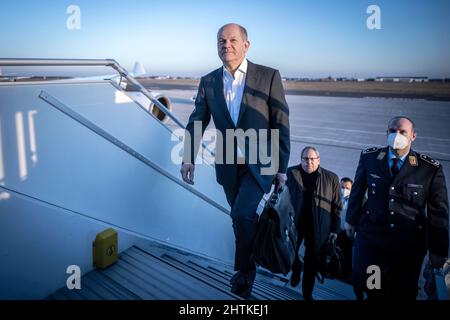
370,150
430,160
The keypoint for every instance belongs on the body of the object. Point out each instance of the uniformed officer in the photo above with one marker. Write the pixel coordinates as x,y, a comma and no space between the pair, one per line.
405,215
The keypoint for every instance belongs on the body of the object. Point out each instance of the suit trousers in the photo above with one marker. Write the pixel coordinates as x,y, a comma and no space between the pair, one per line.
306,234
243,199
400,270
346,245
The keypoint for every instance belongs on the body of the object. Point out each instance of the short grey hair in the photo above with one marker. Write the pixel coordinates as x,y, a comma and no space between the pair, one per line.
310,148
396,119
244,33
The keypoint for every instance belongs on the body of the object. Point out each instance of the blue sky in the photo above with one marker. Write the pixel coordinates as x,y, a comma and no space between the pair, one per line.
301,38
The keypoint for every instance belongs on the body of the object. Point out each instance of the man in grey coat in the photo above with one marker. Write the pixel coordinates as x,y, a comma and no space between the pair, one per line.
316,198
247,100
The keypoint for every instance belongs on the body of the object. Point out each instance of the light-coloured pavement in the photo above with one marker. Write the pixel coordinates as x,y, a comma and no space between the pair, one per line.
341,127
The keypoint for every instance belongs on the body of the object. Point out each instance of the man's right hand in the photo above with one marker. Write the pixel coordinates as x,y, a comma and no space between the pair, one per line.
187,172
350,230
437,262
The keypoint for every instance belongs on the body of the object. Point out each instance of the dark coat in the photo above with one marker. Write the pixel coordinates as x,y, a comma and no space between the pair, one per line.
405,212
326,205
263,107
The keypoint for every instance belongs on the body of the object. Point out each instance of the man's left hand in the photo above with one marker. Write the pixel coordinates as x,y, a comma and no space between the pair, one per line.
332,236
437,262
281,178
349,230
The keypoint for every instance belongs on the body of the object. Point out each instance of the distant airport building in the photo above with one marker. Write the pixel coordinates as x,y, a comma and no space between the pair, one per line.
355,79
401,79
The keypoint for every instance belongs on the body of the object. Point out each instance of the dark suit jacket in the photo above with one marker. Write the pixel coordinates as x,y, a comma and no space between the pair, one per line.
405,212
263,107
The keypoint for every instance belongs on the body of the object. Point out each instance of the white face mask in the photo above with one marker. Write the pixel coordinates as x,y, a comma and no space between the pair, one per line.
397,141
345,193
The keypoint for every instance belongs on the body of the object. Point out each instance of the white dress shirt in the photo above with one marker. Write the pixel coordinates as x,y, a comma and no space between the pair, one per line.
233,89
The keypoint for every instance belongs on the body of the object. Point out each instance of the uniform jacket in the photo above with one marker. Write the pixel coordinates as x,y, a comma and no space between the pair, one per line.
408,211
263,107
326,204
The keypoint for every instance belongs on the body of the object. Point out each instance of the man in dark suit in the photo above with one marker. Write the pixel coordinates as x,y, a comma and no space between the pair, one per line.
316,198
247,100
405,215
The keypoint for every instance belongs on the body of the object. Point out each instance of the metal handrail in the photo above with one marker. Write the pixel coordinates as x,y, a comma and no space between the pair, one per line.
96,62
55,62
134,153
124,73
6,62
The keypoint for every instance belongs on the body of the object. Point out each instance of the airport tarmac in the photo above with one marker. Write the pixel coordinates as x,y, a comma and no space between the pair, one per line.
341,127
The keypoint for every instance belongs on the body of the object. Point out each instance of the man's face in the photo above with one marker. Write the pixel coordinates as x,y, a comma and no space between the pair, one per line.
346,185
404,127
231,47
310,161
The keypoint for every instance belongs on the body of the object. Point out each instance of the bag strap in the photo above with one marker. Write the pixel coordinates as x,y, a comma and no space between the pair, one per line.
320,277
275,196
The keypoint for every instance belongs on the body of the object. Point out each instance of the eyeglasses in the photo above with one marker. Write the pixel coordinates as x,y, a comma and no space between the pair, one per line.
309,159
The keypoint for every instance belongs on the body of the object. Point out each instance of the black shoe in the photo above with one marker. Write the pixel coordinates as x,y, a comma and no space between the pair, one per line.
296,270
243,291
308,297
234,277
240,286
243,283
